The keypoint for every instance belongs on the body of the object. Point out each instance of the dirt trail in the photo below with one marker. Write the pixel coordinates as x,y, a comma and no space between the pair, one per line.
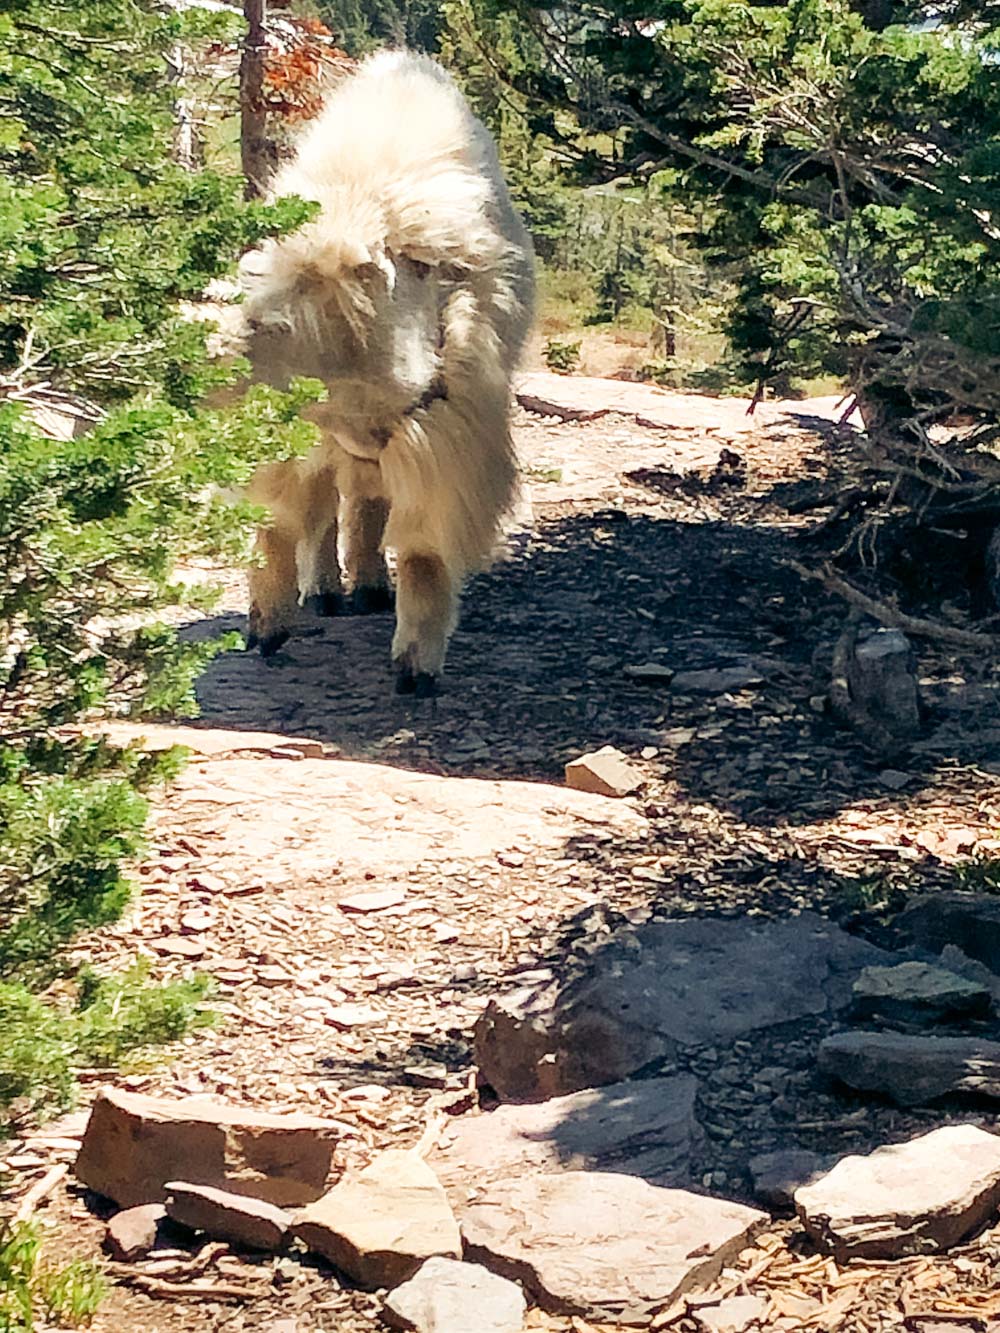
752,802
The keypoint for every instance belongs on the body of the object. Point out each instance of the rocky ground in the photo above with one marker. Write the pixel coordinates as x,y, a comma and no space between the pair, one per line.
368,879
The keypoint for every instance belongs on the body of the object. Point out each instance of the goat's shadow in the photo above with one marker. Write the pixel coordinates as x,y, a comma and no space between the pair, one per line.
537,672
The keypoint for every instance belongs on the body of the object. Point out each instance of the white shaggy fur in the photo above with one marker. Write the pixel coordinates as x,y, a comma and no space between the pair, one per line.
409,295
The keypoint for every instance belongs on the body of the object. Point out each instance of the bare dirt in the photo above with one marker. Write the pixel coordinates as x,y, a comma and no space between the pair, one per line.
632,547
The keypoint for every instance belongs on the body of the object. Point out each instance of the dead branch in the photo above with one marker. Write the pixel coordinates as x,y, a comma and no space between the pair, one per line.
888,614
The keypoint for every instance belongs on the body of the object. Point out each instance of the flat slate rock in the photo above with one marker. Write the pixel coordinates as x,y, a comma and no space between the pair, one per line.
379,1227
226,1216
603,1245
717,680
969,921
914,992
646,1128
447,1296
912,1069
733,1315
919,1197
134,1144
652,989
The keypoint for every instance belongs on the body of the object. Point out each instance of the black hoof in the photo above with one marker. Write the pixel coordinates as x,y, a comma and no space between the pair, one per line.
325,604
269,646
405,680
370,601
425,686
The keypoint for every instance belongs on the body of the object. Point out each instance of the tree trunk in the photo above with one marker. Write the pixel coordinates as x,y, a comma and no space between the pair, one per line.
877,14
253,115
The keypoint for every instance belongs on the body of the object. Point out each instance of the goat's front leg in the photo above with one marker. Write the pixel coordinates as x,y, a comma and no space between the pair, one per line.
426,612
273,591
364,524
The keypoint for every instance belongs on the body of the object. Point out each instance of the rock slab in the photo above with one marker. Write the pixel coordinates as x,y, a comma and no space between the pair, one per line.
381,1226
133,1145
652,989
915,992
603,1245
131,1234
912,1070
225,1216
919,1197
969,921
605,772
646,1128
446,1296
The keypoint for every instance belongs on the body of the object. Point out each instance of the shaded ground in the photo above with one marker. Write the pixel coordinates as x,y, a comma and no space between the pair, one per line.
753,802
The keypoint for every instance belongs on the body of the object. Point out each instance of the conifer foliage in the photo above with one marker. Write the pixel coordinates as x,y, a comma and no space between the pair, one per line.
107,469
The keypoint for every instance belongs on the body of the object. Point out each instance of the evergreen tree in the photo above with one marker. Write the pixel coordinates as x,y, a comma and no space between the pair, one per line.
850,153
102,235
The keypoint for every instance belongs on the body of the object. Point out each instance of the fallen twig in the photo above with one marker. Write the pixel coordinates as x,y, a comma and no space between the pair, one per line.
40,1190
888,614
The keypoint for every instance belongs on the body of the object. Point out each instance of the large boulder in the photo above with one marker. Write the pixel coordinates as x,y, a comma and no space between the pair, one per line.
648,991
134,1145
601,1245
910,1198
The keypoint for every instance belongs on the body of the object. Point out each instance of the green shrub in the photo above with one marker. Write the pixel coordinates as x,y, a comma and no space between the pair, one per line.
562,356
69,1296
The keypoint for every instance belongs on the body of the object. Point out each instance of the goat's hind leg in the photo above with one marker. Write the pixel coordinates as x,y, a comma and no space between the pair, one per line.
426,612
364,525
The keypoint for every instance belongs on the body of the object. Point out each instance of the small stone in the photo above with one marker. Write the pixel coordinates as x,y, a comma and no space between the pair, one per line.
605,772
379,900
719,681
445,933
911,1198
348,1016
894,779
134,1144
227,1216
197,921
380,1226
427,1076
917,993
777,1175
601,1245
650,673
180,946
734,1315
447,1296
912,1070
131,1234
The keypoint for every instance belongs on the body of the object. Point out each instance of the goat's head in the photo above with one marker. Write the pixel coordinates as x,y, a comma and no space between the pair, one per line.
365,321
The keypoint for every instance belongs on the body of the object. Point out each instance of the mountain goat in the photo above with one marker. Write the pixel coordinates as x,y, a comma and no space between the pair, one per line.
409,295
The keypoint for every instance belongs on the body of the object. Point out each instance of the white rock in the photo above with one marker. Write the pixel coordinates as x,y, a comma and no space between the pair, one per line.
447,1296
911,1198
